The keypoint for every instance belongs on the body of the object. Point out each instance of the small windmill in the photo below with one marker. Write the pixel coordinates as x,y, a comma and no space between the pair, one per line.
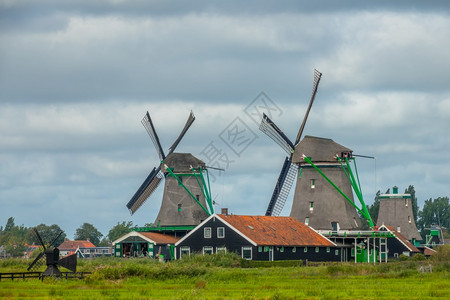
185,190
52,260
322,204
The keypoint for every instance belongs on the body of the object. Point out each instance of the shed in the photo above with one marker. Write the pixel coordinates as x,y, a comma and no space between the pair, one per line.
145,244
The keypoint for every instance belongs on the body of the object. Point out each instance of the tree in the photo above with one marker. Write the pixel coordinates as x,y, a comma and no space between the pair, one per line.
435,212
119,230
415,208
88,232
375,207
47,233
9,224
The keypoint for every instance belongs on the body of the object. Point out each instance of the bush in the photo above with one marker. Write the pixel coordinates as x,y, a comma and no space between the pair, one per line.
442,254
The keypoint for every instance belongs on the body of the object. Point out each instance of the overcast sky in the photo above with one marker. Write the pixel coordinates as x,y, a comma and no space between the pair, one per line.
77,77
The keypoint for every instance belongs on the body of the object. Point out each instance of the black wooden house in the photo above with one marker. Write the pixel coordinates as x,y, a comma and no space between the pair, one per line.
258,238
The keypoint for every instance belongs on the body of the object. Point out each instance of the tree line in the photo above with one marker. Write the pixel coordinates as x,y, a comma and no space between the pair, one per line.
14,239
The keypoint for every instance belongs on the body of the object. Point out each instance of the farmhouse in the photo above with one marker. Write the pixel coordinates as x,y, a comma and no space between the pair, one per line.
258,238
145,244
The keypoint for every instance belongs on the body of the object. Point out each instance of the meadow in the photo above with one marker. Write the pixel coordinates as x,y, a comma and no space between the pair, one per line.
229,277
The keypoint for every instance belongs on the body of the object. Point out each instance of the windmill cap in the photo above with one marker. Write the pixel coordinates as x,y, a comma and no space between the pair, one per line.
182,162
318,149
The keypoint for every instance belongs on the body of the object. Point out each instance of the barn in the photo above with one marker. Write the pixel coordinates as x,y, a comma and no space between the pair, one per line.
258,238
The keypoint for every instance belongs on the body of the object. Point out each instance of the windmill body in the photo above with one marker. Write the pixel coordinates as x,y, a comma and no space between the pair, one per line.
183,202
396,211
178,207
316,202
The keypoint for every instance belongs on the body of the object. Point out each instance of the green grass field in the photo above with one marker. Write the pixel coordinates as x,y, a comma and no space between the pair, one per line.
228,277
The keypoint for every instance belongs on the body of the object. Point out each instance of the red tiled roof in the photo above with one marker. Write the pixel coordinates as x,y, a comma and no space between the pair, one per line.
68,245
283,231
402,238
160,238
428,251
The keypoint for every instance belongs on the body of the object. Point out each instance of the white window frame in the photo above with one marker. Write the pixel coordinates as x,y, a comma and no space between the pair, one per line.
220,236
208,247
313,183
207,229
221,249
311,206
246,248
307,221
184,248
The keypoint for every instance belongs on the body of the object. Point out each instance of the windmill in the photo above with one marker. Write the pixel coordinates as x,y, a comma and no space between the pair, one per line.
52,260
185,190
396,211
323,197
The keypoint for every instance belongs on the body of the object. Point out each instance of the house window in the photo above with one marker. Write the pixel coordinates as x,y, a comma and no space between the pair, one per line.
207,232
409,219
117,246
328,250
306,221
220,232
294,249
352,253
311,206
266,248
282,249
221,250
207,250
247,253
336,252
179,206
305,249
259,249
398,228
313,183
185,250
317,249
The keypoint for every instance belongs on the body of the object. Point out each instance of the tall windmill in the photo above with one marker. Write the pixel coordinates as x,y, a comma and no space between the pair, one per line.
323,197
185,190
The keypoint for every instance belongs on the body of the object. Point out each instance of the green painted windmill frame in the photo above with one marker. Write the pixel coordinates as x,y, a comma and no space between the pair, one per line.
202,183
354,181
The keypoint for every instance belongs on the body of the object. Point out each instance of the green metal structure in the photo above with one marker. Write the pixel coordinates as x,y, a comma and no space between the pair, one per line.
354,181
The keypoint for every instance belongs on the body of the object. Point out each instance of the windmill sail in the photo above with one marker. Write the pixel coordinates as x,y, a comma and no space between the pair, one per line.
282,188
317,76
272,131
148,124
146,189
189,122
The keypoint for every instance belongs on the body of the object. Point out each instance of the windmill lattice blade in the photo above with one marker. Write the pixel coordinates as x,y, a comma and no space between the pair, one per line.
39,237
35,264
148,124
317,76
54,240
282,188
188,124
271,130
145,190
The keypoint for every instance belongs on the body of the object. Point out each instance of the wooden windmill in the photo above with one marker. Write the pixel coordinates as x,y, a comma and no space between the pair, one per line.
323,196
396,211
186,191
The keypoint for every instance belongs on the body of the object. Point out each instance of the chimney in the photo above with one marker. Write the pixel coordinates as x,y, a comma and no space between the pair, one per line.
225,211
395,190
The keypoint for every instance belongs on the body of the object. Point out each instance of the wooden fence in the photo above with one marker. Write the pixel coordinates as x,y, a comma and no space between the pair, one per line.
27,275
